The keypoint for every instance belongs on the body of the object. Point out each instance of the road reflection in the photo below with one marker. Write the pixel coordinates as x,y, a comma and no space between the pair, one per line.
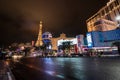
71,68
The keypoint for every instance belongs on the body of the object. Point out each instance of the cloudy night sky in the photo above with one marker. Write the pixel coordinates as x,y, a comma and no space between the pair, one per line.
19,19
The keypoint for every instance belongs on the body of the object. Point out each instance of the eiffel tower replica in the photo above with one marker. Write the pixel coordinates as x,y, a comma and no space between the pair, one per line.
39,41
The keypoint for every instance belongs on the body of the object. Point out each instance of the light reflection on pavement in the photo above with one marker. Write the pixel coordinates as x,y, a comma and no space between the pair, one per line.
71,68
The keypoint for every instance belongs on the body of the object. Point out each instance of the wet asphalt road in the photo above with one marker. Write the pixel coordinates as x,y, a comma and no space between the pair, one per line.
81,68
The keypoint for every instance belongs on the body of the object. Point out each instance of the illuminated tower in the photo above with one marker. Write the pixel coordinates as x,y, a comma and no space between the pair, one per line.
39,41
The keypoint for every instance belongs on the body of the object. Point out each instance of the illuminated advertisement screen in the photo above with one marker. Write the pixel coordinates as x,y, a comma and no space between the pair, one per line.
89,40
73,41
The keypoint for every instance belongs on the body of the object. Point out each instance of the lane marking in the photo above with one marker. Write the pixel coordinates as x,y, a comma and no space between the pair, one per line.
9,76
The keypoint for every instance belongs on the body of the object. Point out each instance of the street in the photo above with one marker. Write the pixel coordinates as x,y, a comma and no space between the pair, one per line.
80,68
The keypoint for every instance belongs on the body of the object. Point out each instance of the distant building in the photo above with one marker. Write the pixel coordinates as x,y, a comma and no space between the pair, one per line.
54,41
109,12
77,42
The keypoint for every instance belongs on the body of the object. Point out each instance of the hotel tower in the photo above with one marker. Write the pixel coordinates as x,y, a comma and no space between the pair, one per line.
106,18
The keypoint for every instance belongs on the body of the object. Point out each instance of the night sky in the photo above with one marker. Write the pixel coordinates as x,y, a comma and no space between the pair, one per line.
19,19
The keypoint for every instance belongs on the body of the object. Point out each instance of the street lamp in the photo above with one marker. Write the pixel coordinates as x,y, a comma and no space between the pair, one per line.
118,19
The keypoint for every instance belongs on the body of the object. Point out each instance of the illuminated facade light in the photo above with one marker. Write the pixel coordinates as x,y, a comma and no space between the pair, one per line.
118,18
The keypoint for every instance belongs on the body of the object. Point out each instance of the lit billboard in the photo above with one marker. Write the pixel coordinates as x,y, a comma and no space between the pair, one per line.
80,40
73,41
89,40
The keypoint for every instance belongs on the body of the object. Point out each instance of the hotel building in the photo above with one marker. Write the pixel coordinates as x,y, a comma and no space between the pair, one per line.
107,15
77,42
54,41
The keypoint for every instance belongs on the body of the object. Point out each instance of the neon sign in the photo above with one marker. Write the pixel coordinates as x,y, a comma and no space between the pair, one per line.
89,40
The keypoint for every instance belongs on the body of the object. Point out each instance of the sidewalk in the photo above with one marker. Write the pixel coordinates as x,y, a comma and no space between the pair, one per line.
5,72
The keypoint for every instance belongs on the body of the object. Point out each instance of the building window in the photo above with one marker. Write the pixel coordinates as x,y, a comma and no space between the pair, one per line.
108,17
118,10
103,13
115,13
111,6
116,3
97,23
106,9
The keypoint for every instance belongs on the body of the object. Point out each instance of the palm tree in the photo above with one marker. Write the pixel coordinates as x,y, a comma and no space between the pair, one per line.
66,46
117,44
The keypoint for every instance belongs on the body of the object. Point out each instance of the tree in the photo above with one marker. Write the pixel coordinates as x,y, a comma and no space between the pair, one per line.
14,46
28,44
66,46
117,44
